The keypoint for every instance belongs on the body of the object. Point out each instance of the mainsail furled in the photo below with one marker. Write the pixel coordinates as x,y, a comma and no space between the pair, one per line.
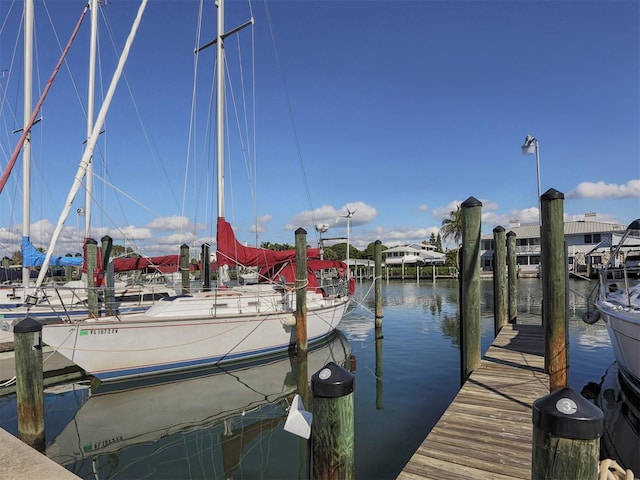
231,252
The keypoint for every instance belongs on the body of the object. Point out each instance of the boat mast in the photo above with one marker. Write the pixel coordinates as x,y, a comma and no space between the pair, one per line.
93,5
26,153
220,98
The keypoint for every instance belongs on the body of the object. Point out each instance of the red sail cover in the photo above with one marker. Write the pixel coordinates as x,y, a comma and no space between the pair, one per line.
164,264
231,252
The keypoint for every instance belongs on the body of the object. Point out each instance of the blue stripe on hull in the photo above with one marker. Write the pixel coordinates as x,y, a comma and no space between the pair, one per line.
112,375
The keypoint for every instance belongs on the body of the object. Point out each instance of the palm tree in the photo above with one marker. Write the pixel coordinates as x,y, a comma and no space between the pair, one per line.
452,228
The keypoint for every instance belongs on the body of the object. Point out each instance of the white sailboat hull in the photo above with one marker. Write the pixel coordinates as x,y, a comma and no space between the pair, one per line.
623,325
189,332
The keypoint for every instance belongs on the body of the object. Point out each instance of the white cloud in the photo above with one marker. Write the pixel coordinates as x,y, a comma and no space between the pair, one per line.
423,208
174,222
362,214
600,190
261,224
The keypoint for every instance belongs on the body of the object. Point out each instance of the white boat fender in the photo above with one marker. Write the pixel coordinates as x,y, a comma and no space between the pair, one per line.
298,420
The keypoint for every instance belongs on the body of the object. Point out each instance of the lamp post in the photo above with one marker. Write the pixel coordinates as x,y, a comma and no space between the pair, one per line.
529,147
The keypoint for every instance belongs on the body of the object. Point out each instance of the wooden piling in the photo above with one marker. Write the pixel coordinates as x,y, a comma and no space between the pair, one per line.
92,276
499,280
470,287
377,253
206,268
333,432
109,280
566,437
184,268
553,264
512,277
27,336
301,290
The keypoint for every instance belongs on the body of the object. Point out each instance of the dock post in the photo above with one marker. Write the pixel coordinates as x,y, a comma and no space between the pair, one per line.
184,268
512,277
206,268
27,336
301,290
333,431
470,288
566,436
109,280
553,264
92,271
377,253
499,280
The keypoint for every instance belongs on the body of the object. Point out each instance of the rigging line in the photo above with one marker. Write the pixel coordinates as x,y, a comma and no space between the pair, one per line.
150,144
290,110
129,197
35,112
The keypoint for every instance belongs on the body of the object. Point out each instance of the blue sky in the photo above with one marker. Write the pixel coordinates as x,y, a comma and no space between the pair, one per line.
397,110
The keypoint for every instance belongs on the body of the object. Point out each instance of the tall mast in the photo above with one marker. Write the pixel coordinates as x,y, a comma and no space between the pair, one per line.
93,5
220,107
26,153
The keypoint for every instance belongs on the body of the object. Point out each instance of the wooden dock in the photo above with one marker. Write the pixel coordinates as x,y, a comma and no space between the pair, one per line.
487,430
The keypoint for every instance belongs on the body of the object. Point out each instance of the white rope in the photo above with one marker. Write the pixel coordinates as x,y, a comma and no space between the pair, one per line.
610,470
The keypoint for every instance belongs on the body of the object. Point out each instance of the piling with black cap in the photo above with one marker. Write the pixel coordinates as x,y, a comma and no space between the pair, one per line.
184,268
333,427
93,272
554,278
566,436
471,215
377,254
27,337
301,290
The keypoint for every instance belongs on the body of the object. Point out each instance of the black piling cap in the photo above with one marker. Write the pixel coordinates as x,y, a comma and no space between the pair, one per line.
499,229
471,202
28,325
567,414
332,381
553,194
300,231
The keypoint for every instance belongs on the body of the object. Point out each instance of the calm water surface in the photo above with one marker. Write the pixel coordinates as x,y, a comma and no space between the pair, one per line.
230,423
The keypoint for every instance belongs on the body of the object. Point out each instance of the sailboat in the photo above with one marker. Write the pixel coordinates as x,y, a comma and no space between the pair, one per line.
224,325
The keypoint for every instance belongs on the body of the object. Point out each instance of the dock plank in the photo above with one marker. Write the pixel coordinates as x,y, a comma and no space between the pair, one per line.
487,430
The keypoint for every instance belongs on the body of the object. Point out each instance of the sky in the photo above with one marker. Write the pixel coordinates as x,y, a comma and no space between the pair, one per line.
395,111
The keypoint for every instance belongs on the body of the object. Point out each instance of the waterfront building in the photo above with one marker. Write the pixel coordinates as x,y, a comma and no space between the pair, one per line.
588,245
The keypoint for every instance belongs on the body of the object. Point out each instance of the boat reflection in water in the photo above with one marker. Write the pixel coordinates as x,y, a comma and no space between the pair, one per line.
620,439
211,424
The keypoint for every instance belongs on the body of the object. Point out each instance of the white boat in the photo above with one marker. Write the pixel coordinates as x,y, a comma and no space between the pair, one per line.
227,324
224,405
618,303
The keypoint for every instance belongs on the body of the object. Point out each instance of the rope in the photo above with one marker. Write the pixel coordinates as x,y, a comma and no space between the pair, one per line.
610,470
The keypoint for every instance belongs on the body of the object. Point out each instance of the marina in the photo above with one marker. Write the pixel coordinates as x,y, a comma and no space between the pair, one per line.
392,395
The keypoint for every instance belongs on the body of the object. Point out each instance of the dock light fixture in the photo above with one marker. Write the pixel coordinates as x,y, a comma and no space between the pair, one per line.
529,147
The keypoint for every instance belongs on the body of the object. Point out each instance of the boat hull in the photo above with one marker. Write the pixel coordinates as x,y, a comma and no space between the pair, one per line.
134,345
623,327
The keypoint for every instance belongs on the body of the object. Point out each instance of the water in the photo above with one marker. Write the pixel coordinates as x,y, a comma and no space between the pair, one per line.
225,424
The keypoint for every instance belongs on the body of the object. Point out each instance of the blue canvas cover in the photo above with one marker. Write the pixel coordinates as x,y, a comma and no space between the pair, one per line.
32,257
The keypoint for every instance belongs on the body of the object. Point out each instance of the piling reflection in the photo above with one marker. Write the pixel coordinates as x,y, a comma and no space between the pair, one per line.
212,423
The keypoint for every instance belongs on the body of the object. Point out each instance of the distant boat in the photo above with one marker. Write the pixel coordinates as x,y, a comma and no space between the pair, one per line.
226,324
232,407
618,303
